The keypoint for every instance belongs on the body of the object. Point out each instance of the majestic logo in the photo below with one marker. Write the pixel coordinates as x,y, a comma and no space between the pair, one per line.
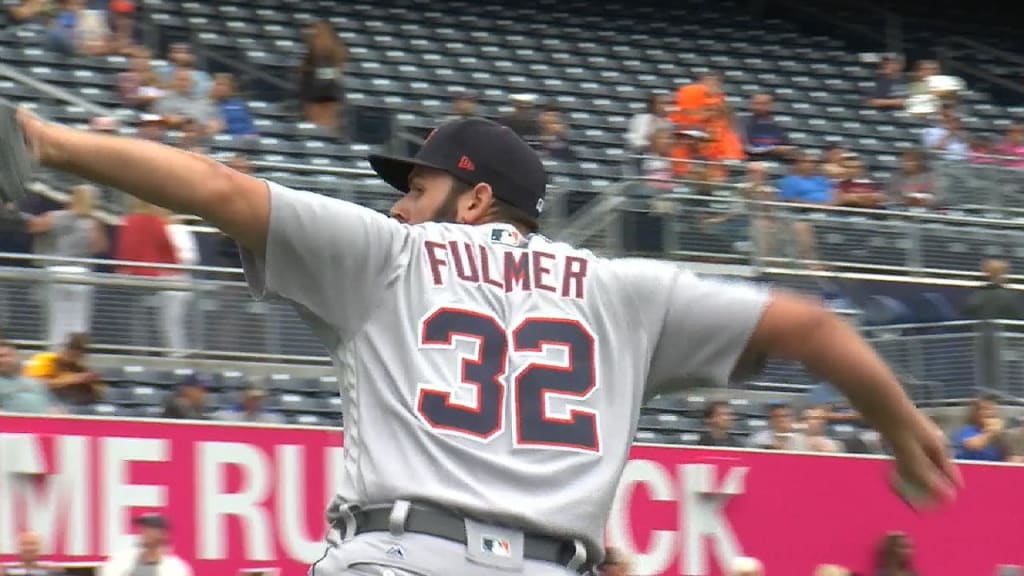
466,164
497,546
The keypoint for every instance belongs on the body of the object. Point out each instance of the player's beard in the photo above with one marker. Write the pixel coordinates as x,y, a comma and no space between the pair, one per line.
448,211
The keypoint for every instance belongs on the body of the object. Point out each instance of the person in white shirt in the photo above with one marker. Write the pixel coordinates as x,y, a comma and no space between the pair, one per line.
946,139
150,555
643,126
175,303
782,434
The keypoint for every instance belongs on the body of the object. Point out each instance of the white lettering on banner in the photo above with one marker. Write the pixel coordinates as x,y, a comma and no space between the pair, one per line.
291,506
620,531
116,454
699,501
214,505
701,515
60,494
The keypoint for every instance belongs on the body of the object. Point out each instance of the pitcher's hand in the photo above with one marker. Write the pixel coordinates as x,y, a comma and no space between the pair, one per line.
927,474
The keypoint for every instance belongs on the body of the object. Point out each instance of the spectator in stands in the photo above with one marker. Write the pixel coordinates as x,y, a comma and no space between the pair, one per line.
92,33
994,300
981,437
615,563
1012,147
464,105
251,409
180,57
656,164
122,14
66,373
923,70
235,118
857,189
193,137
524,117
805,188
750,219
833,165
914,184
831,570
695,103
782,433
718,418
946,139
27,10
151,127
20,393
139,86
149,556
816,431
723,143
73,232
643,126
189,400
554,136
983,149
61,35
320,75
746,566
889,91
180,105
175,303
763,137
895,556
27,563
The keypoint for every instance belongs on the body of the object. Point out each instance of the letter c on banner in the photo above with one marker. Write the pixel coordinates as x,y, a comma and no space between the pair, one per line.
659,484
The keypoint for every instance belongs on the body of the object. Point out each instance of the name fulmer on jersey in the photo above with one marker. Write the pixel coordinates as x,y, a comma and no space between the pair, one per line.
506,270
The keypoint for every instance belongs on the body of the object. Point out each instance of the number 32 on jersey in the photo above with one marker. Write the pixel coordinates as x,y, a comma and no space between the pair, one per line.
533,384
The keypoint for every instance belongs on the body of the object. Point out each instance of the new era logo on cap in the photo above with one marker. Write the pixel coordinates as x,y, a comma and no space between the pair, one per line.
466,164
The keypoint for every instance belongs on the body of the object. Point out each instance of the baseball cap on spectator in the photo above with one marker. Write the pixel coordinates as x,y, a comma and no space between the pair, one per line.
475,151
195,379
152,521
122,6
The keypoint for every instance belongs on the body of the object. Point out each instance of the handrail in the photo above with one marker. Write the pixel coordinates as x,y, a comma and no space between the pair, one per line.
86,262
53,91
312,168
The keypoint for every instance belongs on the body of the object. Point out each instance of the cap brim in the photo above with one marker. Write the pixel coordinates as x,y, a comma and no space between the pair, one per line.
395,170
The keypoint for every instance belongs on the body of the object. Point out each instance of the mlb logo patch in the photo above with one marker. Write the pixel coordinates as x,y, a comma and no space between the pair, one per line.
507,236
497,546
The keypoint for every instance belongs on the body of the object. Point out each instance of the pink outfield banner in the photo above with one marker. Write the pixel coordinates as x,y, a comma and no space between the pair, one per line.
241,499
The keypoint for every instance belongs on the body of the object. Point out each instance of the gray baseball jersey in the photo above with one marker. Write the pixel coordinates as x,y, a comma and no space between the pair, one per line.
493,373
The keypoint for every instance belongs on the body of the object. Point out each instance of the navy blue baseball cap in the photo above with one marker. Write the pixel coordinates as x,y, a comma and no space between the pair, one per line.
475,151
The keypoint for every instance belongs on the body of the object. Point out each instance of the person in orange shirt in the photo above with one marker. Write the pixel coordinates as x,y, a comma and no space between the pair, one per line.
723,143
66,374
694,101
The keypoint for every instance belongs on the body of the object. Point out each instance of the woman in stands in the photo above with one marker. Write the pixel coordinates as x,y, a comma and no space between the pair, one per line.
321,72
914,185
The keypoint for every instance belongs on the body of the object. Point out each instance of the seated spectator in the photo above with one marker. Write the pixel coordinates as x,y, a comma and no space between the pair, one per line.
718,418
122,14
694,102
857,189
524,117
688,155
1012,147
19,393
554,136
983,150
139,86
643,126
833,165
61,35
66,373
763,136
189,400
914,184
782,434
180,56
752,219
251,409
235,118
804,185
27,10
27,561
816,430
149,555
723,143
92,33
179,106
946,139
320,75
895,556
981,438
615,563
464,105
923,70
889,91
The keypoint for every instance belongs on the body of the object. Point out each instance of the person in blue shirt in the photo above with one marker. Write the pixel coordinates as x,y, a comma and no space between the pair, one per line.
982,437
804,186
235,118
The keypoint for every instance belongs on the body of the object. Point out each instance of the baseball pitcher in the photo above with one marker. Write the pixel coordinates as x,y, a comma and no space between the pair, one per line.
493,378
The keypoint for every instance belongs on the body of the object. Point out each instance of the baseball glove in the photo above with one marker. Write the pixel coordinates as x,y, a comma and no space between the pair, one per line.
16,162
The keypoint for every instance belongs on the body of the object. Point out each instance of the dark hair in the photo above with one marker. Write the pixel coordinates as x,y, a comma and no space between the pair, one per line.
776,406
78,342
652,102
974,409
501,211
711,407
